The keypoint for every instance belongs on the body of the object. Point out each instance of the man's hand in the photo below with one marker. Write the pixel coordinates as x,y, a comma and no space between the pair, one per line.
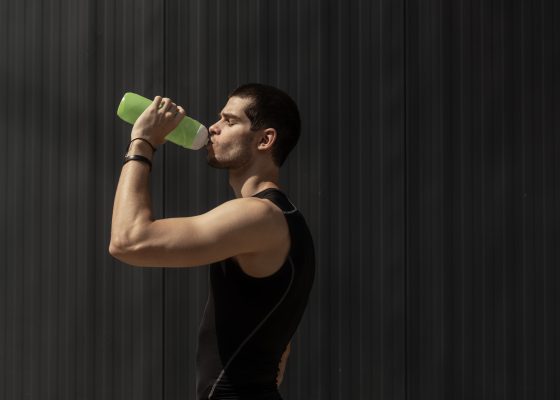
155,123
282,366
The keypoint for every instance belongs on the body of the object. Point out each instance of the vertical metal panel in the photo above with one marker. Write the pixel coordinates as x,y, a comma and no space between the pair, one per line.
481,192
75,324
343,64
482,196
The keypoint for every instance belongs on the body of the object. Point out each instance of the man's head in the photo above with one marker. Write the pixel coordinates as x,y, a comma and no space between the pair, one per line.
257,119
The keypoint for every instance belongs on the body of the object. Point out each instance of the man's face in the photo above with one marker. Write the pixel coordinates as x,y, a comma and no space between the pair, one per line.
231,139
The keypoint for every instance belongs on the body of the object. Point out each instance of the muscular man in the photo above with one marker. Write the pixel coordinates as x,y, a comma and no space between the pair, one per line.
258,245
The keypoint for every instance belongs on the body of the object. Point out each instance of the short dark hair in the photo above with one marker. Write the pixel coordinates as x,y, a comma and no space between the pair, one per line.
272,108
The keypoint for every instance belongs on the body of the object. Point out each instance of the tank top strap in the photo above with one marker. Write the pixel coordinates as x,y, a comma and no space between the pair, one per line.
279,198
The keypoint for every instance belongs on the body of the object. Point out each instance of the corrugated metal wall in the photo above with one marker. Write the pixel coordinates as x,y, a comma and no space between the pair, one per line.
483,222
428,171
75,324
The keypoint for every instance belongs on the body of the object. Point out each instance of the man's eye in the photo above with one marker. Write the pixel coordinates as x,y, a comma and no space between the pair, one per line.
229,123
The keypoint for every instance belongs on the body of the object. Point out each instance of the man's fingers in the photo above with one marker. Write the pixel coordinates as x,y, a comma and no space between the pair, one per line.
157,102
172,109
180,113
165,105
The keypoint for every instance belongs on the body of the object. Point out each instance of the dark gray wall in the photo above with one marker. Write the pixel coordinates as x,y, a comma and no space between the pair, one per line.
427,170
74,324
483,222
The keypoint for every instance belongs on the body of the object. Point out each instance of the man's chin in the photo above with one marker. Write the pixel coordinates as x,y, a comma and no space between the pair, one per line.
215,163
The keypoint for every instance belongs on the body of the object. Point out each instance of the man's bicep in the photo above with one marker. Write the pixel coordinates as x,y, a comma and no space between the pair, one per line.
232,228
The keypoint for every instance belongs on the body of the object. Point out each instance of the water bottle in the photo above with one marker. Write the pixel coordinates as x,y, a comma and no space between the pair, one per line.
190,133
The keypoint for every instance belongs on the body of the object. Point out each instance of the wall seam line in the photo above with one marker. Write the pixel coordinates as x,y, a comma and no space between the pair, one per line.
405,99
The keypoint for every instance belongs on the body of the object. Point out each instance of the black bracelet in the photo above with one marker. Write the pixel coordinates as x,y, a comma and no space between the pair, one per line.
136,157
139,138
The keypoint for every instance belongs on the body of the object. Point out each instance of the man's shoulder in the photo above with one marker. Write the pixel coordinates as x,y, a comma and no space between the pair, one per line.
260,208
247,215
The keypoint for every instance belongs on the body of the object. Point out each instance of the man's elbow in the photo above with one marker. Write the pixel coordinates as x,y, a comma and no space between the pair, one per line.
120,250
131,255
116,249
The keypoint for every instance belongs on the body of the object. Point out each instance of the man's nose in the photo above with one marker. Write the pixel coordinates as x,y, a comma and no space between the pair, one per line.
214,129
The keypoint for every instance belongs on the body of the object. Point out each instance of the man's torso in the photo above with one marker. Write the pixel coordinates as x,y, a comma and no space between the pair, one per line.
251,315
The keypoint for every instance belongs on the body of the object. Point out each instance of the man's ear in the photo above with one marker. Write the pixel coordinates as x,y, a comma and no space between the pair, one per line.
268,139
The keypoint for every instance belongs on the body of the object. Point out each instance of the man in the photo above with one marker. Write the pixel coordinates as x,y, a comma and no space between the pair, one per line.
258,244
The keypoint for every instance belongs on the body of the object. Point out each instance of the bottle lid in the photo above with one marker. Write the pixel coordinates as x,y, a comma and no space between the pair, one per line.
200,139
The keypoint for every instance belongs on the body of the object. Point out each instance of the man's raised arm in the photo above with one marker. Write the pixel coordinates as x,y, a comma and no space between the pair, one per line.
239,226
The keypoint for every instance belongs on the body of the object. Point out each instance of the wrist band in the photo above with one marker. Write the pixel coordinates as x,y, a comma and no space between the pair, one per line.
144,140
136,157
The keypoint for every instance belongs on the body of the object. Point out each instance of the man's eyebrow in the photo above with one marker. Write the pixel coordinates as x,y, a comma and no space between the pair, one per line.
228,115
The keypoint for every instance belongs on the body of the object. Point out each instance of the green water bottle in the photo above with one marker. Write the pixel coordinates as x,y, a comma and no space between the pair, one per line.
189,133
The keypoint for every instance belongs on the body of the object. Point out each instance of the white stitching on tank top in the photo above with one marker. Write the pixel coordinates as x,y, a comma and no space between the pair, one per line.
294,208
256,329
292,204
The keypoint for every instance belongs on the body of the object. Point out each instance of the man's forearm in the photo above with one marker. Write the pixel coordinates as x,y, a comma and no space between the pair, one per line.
132,209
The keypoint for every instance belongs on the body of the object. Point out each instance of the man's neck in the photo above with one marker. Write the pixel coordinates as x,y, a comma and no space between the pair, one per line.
246,183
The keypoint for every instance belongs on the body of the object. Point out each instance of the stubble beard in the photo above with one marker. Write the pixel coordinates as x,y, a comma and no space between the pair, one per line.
236,158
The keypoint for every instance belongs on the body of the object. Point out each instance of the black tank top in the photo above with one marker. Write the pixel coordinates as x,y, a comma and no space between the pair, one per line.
248,322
